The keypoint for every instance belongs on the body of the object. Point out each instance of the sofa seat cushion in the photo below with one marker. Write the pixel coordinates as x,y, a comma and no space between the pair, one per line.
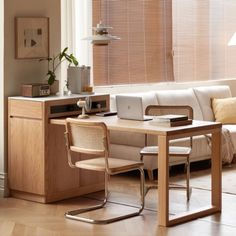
180,97
204,96
224,110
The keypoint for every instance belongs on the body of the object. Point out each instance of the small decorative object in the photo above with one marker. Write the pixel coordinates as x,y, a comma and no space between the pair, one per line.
35,90
82,104
31,37
87,89
66,91
55,61
79,79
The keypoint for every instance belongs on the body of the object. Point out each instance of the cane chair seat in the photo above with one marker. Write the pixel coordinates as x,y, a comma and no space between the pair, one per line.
173,151
115,165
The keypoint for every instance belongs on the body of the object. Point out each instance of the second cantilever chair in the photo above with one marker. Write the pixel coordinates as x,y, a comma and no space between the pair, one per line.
174,151
92,138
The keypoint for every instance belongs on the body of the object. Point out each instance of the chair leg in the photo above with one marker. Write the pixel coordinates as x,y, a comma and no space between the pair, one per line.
188,189
150,172
141,158
74,215
142,189
150,175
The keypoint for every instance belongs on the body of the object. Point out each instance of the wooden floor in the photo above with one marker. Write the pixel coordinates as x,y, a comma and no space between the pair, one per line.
24,218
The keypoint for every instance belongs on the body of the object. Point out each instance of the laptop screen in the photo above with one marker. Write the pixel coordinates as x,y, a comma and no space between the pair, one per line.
130,107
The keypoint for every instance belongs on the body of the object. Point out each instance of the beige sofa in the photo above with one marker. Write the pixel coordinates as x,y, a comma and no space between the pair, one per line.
127,145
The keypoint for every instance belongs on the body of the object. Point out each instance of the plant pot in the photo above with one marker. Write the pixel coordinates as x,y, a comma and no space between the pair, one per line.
54,88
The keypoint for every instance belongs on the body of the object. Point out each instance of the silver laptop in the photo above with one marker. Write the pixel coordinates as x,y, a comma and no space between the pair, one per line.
130,108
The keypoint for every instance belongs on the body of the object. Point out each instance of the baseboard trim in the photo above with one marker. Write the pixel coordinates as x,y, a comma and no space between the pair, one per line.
4,191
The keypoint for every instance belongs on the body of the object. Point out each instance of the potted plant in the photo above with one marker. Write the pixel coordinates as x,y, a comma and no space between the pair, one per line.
55,61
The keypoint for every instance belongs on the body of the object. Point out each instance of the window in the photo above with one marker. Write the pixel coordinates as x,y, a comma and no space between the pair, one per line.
161,40
201,31
143,53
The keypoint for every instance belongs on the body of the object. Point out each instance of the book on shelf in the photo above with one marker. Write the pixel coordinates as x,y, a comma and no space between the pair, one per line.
171,117
180,122
169,123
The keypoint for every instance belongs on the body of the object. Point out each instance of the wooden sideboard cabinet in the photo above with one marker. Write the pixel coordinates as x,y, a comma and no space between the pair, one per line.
37,161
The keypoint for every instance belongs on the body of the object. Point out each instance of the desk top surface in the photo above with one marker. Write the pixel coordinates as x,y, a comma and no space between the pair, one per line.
114,123
53,97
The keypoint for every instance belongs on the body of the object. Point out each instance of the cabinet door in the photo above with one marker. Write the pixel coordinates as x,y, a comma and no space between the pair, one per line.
26,155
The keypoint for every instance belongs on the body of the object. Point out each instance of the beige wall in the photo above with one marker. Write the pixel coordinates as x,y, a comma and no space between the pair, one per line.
17,72
24,71
1,101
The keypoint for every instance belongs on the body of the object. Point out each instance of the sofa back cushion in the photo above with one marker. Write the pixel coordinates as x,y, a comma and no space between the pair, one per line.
206,93
180,97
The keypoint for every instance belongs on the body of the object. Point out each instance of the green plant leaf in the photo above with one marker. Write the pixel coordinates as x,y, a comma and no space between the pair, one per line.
63,53
64,50
68,58
55,61
74,60
61,56
51,77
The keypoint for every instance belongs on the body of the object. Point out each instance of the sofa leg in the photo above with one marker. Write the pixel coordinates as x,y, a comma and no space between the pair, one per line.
150,175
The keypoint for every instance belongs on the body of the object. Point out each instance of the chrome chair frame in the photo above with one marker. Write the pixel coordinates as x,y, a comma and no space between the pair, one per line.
163,109
75,214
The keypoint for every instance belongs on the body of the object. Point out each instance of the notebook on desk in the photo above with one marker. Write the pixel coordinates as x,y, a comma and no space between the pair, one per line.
130,108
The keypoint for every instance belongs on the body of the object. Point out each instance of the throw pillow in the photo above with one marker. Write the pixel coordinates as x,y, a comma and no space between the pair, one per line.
224,110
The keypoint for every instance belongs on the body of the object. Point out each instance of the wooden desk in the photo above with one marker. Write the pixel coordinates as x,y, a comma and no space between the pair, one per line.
164,135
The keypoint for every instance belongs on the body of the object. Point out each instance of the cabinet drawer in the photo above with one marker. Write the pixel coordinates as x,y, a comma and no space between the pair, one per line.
26,155
28,109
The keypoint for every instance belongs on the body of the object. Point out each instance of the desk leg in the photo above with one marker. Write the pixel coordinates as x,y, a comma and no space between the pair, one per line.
163,181
216,169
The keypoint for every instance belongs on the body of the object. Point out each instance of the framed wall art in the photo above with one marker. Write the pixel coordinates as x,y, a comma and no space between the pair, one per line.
32,37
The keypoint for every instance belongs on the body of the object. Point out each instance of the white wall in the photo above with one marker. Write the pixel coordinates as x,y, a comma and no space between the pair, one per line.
17,72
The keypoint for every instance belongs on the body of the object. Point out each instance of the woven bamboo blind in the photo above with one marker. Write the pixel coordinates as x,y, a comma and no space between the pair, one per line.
201,31
143,55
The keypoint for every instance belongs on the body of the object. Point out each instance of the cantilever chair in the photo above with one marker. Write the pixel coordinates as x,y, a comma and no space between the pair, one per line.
174,151
92,138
